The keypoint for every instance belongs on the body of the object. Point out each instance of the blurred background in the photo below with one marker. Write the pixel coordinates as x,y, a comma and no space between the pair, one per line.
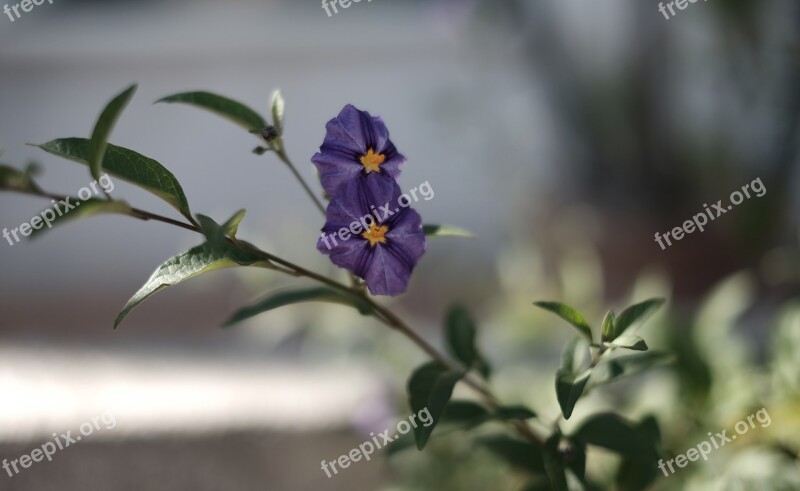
563,133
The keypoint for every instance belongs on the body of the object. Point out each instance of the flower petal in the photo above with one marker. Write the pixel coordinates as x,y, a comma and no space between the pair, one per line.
348,137
387,270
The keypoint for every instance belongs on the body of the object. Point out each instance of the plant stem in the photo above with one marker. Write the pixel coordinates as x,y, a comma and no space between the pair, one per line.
383,314
285,159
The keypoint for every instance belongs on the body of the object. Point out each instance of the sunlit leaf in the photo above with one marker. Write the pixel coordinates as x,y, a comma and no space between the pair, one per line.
198,260
635,313
569,388
612,369
277,106
570,379
631,342
608,327
570,315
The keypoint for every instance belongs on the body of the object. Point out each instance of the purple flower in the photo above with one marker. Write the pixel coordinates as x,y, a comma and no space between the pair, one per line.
370,234
356,144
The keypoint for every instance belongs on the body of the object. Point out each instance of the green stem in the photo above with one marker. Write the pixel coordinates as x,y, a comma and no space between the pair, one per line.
285,159
382,313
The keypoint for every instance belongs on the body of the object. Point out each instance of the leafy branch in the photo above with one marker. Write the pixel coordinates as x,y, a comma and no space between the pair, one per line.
556,457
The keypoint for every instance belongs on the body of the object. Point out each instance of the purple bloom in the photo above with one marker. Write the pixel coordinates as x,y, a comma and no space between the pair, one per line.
356,144
371,235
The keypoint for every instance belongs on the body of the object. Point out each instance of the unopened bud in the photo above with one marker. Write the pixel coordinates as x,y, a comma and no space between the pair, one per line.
270,133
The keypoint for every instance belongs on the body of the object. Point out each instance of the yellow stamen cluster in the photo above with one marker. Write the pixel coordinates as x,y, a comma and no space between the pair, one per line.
376,234
372,161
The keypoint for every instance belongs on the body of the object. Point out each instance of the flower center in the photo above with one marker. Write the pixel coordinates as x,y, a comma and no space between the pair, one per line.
372,161
376,234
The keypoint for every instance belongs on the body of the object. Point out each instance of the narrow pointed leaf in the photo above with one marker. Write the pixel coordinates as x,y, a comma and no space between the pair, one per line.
103,127
434,231
278,106
514,412
607,331
231,227
227,108
198,260
465,413
460,332
554,463
570,315
12,179
631,342
290,297
431,387
127,165
569,388
610,431
83,209
519,453
635,313
612,369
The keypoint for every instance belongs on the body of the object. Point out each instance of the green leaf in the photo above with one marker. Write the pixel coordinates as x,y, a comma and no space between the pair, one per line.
465,413
635,313
127,165
617,434
539,484
519,453
634,473
554,463
472,414
608,327
12,179
570,315
514,412
575,459
216,233
277,105
86,209
430,386
629,341
434,231
569,388
198,260
231,227
612,369
103,127
460,332
289,297
570,379
227,108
